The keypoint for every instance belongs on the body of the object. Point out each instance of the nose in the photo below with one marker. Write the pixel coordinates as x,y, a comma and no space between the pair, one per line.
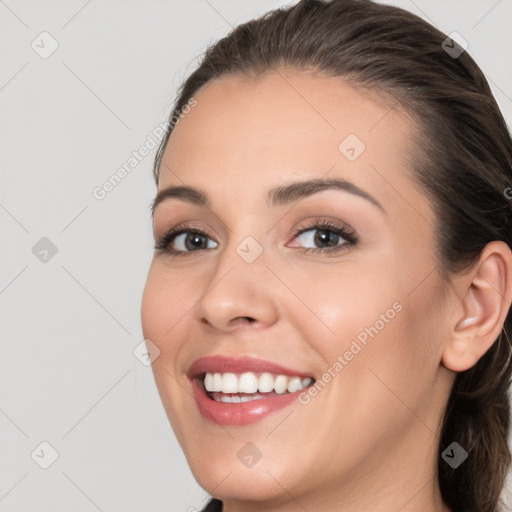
238,295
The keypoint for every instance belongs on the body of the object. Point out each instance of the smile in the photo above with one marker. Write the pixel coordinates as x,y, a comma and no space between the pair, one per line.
231,396
233,388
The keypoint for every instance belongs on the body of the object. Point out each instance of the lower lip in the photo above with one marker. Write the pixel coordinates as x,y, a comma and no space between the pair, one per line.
242,413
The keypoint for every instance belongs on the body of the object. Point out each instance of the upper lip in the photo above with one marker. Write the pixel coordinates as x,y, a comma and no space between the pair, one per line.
225,364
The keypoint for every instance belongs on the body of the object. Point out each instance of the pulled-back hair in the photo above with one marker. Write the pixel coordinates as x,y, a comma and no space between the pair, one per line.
462,162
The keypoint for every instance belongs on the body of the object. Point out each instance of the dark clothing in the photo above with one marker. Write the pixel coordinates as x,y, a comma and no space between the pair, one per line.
213,505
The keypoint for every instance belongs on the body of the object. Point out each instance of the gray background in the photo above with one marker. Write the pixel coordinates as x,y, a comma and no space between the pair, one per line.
69,325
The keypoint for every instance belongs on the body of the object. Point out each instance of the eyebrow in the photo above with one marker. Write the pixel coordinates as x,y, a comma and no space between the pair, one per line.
277,196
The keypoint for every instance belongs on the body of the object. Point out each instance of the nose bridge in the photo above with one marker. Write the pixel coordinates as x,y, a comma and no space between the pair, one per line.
244,249
239,286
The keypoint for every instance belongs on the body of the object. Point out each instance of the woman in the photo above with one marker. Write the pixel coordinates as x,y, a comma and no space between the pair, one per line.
332,279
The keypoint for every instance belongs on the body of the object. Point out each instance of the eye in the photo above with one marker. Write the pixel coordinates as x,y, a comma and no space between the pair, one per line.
329,236
185,239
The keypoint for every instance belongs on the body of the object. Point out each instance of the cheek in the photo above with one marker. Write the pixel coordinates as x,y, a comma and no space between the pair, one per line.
162,307
372,320
423,319
346,302
400,361
166,301
152,306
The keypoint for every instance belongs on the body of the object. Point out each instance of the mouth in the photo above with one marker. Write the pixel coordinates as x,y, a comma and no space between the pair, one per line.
236,388
244,390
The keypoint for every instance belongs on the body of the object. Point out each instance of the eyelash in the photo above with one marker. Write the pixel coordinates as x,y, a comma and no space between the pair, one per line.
341,230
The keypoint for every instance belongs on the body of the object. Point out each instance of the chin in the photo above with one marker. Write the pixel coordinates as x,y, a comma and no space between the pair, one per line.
230,482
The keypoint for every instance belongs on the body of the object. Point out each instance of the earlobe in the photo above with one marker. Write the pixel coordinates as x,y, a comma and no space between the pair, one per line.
460,354
486,302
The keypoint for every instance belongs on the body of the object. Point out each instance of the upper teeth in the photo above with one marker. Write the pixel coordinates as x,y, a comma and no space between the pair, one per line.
249,382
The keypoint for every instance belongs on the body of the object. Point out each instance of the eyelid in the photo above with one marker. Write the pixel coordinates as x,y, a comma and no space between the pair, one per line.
340,228
182,226
177,230
326,223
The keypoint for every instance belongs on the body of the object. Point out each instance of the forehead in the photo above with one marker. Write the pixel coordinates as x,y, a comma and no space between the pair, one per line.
255,133
284,107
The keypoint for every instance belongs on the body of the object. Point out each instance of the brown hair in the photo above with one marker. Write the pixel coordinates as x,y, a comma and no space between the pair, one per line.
463,163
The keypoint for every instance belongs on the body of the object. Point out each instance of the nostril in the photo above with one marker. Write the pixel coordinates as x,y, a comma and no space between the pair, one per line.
244,319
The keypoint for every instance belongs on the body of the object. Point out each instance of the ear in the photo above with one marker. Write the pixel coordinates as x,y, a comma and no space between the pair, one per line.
487,295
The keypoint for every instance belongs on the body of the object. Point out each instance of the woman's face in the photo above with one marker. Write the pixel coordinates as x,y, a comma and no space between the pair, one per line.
361,314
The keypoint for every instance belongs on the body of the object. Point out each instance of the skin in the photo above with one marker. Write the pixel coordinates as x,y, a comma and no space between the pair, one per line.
368,441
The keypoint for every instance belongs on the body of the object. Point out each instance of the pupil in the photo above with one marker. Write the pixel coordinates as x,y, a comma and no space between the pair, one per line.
325,236
193,241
